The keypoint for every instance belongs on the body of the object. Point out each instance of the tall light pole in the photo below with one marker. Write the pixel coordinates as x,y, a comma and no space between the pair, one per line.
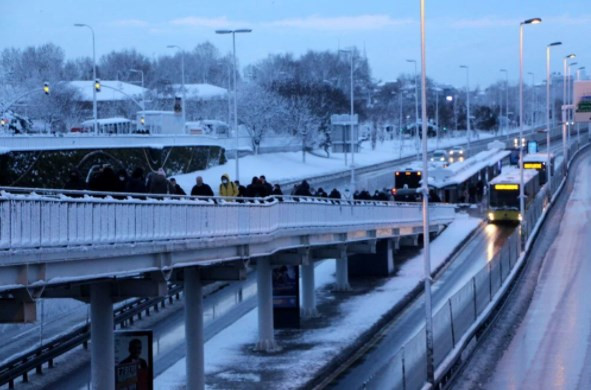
183,106
533,98
506,95
425,190
521,195
235,71
416,126
548,100
141,72
437,90
351,53
569,97
468,132
564,108
578,124
94,108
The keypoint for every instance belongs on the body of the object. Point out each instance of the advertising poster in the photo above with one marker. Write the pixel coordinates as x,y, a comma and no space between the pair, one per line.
133,360
582,101
286,296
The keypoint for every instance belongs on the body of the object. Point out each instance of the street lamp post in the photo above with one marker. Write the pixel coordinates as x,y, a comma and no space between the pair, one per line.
183,106
425,191
94,106
350,52
437,90
564,107
533,98
548,99
416,126
468,130
521,195
141,72
569,96
235,71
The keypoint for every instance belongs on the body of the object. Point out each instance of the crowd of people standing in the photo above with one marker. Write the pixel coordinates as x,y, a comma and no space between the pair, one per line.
105,179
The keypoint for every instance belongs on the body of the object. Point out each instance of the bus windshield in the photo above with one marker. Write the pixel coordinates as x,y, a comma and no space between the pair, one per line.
504,198
411,178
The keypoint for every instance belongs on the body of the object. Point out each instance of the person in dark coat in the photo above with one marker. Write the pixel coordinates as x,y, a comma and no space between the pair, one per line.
157,183
320,193
175,188
256,189
75,182
266,185
277,190
200,188
122,180
433,197
334,194
137,183
303,189
364,195
241,189
107,180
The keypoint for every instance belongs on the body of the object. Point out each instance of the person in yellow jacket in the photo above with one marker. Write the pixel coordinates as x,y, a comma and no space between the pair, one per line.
228,187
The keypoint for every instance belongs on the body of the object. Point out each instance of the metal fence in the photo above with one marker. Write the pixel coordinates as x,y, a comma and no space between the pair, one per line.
407,368
47,220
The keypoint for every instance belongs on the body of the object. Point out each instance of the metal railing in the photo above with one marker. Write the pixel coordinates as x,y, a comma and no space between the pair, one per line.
123,316
47,218
454,319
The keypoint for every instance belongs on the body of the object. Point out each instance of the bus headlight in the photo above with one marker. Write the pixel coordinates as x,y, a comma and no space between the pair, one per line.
519,217
491,217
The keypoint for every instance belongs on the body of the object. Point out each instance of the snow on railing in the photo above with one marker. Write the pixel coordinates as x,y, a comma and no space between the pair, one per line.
48,218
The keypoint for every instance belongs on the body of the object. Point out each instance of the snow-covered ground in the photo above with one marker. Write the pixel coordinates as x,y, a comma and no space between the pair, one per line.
288,166
230,362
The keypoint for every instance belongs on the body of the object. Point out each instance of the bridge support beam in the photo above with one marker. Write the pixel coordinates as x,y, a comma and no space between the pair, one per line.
195,362
380,264
266,341
342,272
102,364
308,309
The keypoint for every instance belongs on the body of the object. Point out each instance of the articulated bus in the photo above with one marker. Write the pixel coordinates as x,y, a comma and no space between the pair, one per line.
539,162
503,192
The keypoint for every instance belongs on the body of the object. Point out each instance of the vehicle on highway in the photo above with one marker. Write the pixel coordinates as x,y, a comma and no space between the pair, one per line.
439,158
503,205
406,183
514,147
456,153
539,162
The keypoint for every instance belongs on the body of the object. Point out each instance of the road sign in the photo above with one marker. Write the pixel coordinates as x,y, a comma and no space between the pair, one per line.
582,101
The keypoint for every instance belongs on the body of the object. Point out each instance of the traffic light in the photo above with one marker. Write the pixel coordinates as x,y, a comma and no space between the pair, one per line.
97,85
46,88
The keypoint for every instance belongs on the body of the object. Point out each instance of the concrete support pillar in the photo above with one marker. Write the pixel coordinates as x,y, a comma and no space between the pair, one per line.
342,271
102,363
308,309
265,306
390,259
194,329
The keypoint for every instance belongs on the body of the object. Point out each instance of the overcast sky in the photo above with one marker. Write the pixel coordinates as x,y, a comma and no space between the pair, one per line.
483,34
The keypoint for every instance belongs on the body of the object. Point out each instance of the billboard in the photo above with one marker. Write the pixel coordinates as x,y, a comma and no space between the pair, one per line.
286,296
582,101
134,368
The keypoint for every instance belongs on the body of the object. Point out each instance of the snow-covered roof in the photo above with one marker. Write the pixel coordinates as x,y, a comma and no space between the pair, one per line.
461,171
106,121
537,157
201,91
111,90
511,175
